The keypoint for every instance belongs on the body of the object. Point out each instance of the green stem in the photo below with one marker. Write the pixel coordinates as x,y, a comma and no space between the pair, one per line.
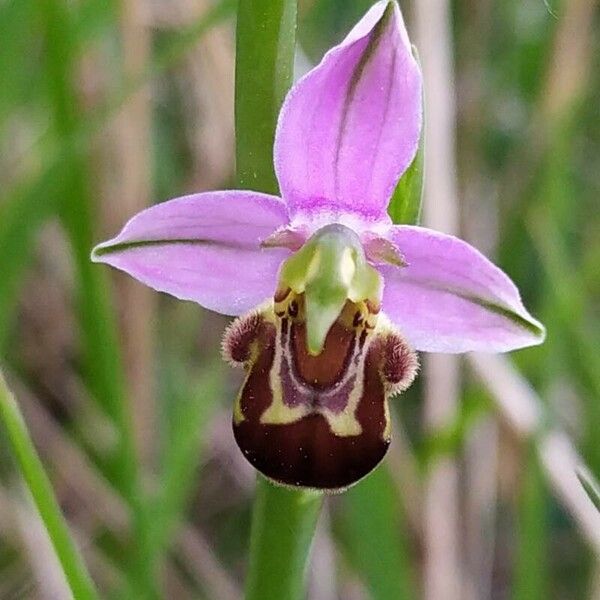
76,575
266,36
284,520
283,525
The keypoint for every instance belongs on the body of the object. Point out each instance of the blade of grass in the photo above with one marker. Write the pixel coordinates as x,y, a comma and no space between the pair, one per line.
523,411
531,578
567,307
373,527
64,178
266,37
194,406
39,486
83,479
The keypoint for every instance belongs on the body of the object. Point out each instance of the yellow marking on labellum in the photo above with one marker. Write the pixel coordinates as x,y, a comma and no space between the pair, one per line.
238,415
342,423
345,423
278,412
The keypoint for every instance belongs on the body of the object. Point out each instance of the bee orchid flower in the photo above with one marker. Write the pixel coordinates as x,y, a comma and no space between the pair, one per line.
335,299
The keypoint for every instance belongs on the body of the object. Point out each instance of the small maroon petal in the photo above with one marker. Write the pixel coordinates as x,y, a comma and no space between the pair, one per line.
400,363
237,341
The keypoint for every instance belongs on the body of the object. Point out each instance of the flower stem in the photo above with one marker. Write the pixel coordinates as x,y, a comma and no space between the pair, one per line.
283,525
266,36
284,520
76,575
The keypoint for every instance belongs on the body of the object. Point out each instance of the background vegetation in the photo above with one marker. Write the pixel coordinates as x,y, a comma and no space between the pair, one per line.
106,107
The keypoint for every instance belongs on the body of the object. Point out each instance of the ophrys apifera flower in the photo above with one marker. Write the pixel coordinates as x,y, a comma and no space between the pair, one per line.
334,298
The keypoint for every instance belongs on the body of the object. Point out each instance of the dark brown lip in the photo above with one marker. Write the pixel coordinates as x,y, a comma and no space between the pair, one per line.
332,463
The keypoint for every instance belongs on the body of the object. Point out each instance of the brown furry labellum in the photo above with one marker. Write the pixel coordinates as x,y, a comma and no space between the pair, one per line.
316,421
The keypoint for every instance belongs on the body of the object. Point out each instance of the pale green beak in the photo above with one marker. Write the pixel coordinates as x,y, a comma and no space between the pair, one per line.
329,269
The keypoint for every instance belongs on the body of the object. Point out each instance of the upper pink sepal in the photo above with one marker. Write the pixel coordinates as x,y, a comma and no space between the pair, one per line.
350,127
451,298
204,247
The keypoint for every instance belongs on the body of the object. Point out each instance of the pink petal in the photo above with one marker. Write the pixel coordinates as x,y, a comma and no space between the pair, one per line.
350,127
204,248
450,298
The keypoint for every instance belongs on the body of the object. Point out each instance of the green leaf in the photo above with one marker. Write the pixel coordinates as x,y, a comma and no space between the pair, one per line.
193,405
96,319
531,567
266,38
376,537
405,205
38,484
